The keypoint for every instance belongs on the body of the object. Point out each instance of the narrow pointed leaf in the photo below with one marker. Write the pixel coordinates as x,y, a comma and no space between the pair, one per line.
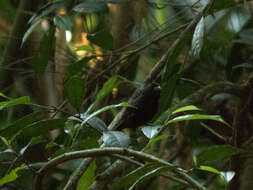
197,117
13,102
210,169
186,108
87,178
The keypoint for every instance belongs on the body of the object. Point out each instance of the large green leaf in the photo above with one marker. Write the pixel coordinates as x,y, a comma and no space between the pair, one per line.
13,102
102,38
45,52
170,79
63,22
87,178
77,66
217,152
74,91
12,176
198,37
14,128
42,127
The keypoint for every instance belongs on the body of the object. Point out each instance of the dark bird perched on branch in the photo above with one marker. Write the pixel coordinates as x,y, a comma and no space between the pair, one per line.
145,103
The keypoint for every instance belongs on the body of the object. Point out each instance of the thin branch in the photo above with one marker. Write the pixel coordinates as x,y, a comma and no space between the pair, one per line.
109,151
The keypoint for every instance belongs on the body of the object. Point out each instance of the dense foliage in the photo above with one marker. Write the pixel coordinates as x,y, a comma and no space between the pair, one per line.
126,94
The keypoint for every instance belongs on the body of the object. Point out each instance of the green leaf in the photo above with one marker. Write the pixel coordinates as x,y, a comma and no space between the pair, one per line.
197,117
84,48
111,83
42,127
198,38
12,176
102,38
45,52
87,178
91,6
106,108
30,30
115,139
13,102
153,141
170,79
74,90
77,67
11,130
151,131
209,169
63,22
217,152
186,108
5,141
4,96
143,173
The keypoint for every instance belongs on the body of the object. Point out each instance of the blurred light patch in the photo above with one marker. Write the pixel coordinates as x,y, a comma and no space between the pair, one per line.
68,35
114,92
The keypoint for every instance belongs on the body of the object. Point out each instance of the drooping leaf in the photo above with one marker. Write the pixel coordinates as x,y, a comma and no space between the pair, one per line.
30,30
197,117
102,38
63,22
151,131
45,52
74,91
97,123
170,79
186,108
13,102
11,130
153,141
91,6
210,169
106,108
115,139
198,37
217,152
42,127
12,176
87,178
